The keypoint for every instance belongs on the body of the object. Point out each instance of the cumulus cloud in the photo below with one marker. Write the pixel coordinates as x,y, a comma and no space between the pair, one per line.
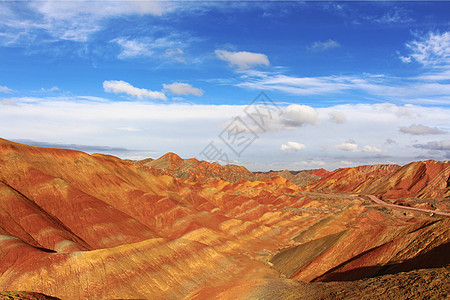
349,146
4,89
243,59
371,149
187,128
443,145
292,146
179,88
277,120
119,86
430,50
417,129
337,117
352,146
323,46
299,115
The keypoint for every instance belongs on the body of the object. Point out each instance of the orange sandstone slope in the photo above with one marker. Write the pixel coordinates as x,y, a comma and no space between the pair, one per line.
422,179
352,179
74,225
201,171
301,178
198,171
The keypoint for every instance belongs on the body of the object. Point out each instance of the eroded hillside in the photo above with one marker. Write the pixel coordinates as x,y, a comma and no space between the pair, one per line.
78,226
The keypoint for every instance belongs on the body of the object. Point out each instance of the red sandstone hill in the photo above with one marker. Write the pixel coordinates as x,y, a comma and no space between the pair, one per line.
74,225
422,179
301,178
198,171
201,171
352,179
319,172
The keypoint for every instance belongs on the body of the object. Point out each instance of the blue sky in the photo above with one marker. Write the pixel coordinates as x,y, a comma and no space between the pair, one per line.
353,82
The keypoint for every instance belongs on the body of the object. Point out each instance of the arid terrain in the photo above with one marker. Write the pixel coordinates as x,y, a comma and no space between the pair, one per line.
79,226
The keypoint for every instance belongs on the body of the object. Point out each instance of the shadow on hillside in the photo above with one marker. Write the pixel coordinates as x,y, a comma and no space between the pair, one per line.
438,257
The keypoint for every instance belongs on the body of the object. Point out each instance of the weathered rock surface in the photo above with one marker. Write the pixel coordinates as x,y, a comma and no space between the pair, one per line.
25,296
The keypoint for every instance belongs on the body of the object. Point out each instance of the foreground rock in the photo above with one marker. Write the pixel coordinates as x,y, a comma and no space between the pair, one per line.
25,296
417,284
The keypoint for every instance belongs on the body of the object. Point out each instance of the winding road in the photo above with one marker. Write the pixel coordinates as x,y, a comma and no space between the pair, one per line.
381,202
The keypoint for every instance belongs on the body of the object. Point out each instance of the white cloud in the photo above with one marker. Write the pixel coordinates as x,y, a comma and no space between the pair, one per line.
405,112
77,20
394,16
175,54
52,89
418,129
162,44
292,146
186,129
430,50
337,117
372,149
119,86
352,146
349,146
411,90
179,88
132,48
4,89
285,119
323,46
243,59
406,60
55,9
300,85
298,115
429,88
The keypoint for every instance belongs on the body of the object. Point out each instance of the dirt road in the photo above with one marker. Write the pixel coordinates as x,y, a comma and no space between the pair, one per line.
381,202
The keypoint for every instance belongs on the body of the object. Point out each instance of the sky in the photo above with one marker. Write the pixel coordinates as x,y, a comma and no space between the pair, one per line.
268,85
